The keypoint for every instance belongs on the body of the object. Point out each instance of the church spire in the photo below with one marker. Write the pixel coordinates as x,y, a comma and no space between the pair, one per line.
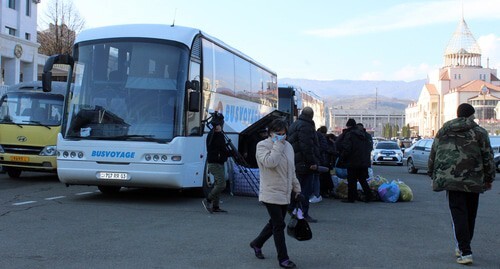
462,49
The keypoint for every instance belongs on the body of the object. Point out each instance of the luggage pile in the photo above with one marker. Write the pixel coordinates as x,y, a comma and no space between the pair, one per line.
244,181
382,189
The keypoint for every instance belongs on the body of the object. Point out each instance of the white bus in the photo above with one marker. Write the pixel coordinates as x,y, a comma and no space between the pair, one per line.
135,115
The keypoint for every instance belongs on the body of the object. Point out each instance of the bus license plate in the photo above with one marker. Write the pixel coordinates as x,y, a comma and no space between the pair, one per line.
19,158
113,175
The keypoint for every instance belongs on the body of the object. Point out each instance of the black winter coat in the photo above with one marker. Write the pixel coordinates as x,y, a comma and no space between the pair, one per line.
357,147
339,144
302,136
324,150
216,148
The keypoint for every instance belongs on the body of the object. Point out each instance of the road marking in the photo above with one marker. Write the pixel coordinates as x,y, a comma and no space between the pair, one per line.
24,203
54,198
84,193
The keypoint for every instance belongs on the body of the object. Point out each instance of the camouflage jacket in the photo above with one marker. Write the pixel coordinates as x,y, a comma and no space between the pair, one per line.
461,157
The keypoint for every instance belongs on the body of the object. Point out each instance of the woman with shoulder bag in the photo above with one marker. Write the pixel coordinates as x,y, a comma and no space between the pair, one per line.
275,158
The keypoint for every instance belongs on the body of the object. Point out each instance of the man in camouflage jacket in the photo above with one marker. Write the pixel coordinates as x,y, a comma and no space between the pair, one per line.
461,162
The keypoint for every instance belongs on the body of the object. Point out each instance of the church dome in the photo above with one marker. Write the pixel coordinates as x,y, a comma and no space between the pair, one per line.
462,49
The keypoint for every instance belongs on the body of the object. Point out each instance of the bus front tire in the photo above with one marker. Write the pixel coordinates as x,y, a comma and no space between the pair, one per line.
13,172
109,189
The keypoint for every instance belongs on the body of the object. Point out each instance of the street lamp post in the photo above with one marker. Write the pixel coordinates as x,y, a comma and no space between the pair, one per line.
484,90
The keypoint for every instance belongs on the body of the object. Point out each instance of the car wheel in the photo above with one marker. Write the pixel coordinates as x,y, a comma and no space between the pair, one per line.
411,167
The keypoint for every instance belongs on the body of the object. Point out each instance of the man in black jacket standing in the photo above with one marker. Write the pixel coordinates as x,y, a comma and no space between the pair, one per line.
217,154
357,147
302,136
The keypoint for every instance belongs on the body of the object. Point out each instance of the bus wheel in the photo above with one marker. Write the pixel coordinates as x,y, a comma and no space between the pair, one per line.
13,172
208,181
109,189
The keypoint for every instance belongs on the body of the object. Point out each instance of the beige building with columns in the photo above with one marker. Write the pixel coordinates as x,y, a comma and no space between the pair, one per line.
462,79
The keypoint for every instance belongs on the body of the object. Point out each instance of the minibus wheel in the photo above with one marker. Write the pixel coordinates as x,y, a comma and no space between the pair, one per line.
13,172
109,189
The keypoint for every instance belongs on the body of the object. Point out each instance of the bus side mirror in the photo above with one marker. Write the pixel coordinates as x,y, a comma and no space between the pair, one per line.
47,81
49,64
194,95
194,101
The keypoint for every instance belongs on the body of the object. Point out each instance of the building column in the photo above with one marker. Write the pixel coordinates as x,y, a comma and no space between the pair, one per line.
12,70
29,72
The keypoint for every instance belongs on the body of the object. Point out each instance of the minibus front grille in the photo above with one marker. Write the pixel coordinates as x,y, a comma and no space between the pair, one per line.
16,149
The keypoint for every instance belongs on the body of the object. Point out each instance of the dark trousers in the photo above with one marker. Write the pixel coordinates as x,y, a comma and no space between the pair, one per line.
325,183
354,175
276,228
463,208
306,186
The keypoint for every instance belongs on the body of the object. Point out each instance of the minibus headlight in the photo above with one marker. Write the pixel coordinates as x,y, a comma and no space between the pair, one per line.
48,151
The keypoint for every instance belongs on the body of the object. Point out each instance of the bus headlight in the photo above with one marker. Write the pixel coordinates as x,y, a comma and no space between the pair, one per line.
48,151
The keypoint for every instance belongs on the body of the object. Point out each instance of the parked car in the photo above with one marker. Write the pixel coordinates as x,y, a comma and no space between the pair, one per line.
495,145
497,161
387,152
417,156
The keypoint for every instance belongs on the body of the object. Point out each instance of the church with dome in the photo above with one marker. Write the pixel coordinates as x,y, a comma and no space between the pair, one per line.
462,79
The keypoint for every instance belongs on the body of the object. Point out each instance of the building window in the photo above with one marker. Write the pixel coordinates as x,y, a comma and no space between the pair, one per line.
27,36
28,8
10,31
12,4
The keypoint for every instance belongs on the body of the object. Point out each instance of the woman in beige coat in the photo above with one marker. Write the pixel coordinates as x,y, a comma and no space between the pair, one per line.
275,158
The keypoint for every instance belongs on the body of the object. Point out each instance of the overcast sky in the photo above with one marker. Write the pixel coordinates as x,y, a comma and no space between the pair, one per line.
322,40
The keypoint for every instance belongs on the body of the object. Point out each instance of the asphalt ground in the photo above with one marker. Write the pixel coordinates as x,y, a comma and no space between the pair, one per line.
78,227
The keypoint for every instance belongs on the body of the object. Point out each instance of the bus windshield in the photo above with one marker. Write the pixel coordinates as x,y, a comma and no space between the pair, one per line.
127,89
25,108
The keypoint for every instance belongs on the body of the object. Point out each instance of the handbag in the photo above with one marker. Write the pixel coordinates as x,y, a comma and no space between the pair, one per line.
298,227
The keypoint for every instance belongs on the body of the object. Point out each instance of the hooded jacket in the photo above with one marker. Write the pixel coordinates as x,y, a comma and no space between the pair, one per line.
357,147
461,157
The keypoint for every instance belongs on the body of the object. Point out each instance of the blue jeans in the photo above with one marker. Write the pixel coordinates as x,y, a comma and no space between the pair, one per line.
316,185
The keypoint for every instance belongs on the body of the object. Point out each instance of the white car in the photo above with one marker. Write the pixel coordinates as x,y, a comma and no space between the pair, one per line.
387,152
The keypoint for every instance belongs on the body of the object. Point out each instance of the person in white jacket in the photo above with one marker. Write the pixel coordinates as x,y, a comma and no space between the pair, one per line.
275,158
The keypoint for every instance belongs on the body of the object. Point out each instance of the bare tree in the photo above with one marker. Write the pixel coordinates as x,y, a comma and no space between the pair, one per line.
61,23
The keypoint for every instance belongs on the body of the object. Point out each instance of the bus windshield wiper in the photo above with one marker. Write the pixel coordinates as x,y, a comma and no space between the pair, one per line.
132,137
11,122
37,123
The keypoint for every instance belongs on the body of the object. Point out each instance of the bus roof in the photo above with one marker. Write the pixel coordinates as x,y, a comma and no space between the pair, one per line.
36,86
184,35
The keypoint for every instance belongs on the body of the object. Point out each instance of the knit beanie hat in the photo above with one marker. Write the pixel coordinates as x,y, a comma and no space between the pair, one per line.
308,112
350,123
465,110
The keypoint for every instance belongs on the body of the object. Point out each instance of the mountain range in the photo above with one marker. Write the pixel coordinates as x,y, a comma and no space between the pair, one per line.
359,94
